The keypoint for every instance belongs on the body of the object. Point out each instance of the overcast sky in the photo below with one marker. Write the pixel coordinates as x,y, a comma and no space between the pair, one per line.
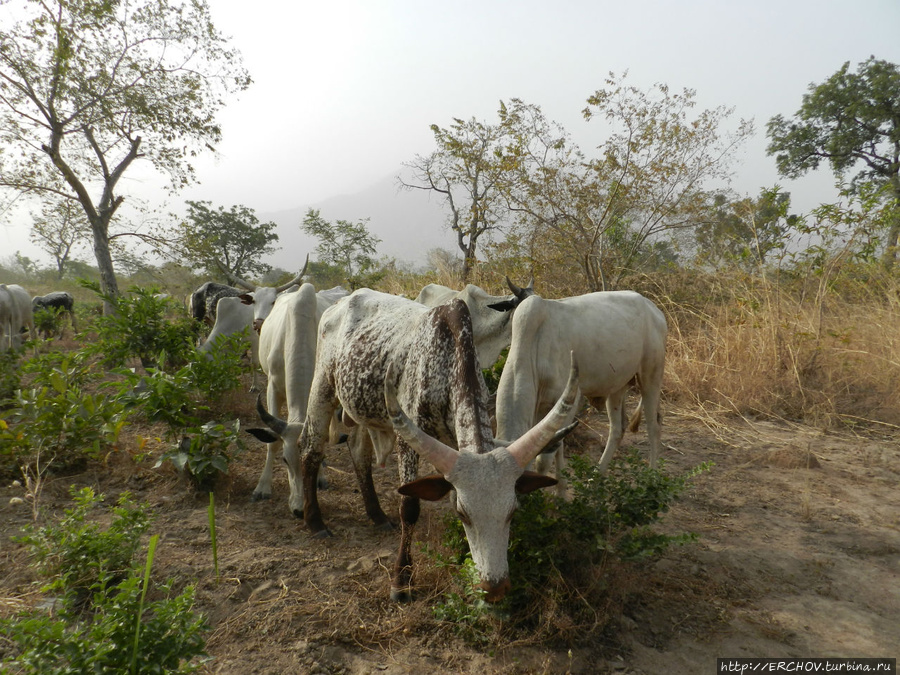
344,91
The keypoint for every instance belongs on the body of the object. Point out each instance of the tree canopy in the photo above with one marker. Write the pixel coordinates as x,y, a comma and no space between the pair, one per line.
87,89
852,121
232,241
344,244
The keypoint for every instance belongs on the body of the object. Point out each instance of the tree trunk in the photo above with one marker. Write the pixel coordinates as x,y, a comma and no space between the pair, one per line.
108,283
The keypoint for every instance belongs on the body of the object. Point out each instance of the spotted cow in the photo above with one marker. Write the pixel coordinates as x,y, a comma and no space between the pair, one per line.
396,366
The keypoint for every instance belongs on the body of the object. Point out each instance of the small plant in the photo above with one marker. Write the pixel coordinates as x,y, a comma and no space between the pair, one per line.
78,556
205,454
140,326
105,622
219,370
160,396
465,610
559,549
56,419
10,375
495,371
47,321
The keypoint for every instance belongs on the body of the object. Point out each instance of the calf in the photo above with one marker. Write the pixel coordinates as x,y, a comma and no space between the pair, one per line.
380,357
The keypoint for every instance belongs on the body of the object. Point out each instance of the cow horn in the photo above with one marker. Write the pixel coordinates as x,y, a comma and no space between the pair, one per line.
526,448
235,279
521,293
274,423
296,279
441,456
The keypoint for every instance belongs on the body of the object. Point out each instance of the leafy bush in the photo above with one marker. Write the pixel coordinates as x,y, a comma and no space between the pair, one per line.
141,327
55,419
47,321
492,375
160,396
79,556
104,624
10,375
559,549
206,454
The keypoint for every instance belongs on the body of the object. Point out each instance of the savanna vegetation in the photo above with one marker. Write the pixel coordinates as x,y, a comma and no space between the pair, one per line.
772,315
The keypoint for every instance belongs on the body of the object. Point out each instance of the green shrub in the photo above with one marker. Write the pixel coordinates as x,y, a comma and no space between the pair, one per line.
55,419
103,623
559,548
143,325
218,371
205,453
79,556
47,321
10,376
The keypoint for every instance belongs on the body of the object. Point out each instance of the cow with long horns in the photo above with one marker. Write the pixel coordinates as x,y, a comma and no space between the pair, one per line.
396,366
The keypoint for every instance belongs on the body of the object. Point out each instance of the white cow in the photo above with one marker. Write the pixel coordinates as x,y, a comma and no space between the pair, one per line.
234,314
287,354
617,337
491,314
380,355
16,314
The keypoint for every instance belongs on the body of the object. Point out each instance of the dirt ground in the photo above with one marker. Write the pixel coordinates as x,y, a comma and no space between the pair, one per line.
798,556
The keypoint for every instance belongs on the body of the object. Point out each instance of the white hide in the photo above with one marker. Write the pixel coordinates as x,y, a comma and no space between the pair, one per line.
287,355
614,335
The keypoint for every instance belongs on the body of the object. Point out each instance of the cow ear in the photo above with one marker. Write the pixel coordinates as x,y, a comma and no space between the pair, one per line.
430,488
264,435
531,481
504,305
246,298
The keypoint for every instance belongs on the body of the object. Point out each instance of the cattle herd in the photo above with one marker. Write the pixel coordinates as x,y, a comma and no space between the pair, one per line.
387,374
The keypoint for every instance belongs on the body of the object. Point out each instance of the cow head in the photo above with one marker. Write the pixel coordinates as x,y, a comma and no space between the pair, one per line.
483,486
263,297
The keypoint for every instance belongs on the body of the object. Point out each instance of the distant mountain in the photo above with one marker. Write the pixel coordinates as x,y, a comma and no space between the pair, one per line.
409,223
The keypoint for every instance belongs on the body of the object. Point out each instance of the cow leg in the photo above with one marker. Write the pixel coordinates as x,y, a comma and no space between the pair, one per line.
614,405
361,451
650,401
322,404
401,580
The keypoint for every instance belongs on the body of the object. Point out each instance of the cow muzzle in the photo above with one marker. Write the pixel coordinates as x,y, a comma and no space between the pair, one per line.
495,592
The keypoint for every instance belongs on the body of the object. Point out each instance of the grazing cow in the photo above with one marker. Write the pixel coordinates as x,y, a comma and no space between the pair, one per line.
18,315
491,314
255,307
233,316
287,355
206,298
60,302
380,355
617,337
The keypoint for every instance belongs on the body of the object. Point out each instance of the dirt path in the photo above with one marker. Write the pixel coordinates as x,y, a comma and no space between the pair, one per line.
798,555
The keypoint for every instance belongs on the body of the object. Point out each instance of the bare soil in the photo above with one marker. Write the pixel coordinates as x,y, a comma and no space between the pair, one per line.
798,556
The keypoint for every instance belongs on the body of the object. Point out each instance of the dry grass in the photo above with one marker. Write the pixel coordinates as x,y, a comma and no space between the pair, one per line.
829,357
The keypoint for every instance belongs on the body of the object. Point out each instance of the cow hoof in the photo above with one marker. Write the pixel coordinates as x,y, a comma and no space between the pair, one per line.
322,534
403,595
298,513
260,496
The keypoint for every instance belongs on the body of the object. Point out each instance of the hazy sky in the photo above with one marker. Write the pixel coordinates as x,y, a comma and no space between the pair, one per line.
344,91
